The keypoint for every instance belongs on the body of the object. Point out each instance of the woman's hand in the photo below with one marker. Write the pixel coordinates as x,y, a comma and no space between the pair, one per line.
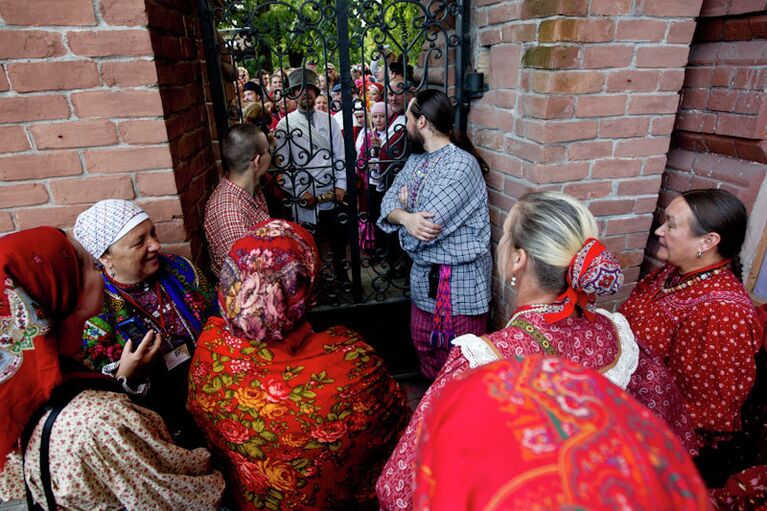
420,226
133,363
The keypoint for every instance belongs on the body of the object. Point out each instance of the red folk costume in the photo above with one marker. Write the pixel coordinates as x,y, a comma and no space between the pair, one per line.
552,435
704,327
304,420
597,340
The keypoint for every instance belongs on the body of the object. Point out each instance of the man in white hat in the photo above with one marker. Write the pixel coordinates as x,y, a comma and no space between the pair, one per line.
309,153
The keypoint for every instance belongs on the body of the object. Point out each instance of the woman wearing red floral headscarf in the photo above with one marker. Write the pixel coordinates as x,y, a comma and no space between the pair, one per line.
304,420
553,435
550,257
104,452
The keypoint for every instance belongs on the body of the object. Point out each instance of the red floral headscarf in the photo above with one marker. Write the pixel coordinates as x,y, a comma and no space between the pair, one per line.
40,277
547,433
267,281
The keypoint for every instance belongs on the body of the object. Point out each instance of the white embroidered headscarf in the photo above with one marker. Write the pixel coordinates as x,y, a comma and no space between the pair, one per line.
106,222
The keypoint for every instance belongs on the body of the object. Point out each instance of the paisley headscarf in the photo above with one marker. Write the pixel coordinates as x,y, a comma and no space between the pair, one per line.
267,281
552,435
40,277
592,271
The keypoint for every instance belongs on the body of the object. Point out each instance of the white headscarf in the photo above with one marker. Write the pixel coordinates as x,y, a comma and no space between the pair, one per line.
106,222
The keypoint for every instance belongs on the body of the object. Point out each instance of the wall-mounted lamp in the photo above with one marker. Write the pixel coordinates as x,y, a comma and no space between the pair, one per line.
475,85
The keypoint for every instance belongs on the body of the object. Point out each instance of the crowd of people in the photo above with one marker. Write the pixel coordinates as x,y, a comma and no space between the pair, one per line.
128,382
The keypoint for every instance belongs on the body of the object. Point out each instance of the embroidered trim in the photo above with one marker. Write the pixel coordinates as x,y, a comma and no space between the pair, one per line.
477,350
536,334
628,359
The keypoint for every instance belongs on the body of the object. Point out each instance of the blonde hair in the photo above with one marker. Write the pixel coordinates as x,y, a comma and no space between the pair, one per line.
551,228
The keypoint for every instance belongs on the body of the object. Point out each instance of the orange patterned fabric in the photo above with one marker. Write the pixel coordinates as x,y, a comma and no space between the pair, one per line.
552,435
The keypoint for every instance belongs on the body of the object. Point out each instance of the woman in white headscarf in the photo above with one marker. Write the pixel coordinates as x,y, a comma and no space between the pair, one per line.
146,293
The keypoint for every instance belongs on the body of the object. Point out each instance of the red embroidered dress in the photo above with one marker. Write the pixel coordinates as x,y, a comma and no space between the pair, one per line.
593,344
707,332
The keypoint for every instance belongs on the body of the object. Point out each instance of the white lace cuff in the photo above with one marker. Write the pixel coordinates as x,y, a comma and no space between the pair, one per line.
620,373
476,350
141,389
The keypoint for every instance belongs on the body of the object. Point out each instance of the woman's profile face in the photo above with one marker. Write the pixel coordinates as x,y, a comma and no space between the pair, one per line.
136,256
678,244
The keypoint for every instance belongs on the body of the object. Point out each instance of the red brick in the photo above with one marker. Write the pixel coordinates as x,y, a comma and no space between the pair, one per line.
547,107
23,195
54,216
696,121
611,55
610,7
644,186
722,100
171,232
611,207
642,147
567,82
670,8
598,106
182,249
662,56
518,32
680,32
640,30
32,108
6,222
47,12
633,80
156,183
637,223
579,30
703,53
654,104
40,165
557,173
552,57
124,12
129,74
74,134
130,159
527,150
560,131
504,66
624,127
636,240
3,80
737,125
750,102
633,258
110,43
92,189
502,13
615,168
694,98
13,139
143,131
645,205
588,190
490,37
161,210
654,165
671,80
30,44
662,125
124,103
545,8
67,75
700,77
589,150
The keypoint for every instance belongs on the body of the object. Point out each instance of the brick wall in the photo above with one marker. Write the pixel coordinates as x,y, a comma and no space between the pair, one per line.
720,136
582,99
97,101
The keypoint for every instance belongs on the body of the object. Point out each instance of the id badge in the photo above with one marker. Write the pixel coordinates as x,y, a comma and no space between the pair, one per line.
176,357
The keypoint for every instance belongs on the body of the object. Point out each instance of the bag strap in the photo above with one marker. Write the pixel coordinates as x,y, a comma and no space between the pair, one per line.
536,334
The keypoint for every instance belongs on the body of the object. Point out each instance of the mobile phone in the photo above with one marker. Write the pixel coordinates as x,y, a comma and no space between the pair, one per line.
133,329
433,281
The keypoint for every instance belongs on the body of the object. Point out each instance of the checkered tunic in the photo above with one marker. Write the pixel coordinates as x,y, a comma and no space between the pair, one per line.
454,191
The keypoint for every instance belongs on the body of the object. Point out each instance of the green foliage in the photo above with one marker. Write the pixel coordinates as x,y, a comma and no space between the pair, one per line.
290,33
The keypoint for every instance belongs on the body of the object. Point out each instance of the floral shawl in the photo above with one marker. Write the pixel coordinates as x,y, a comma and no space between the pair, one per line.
303,420
553,435
183,282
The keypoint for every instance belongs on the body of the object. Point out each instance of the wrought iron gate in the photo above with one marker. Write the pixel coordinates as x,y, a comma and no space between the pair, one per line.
417,43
